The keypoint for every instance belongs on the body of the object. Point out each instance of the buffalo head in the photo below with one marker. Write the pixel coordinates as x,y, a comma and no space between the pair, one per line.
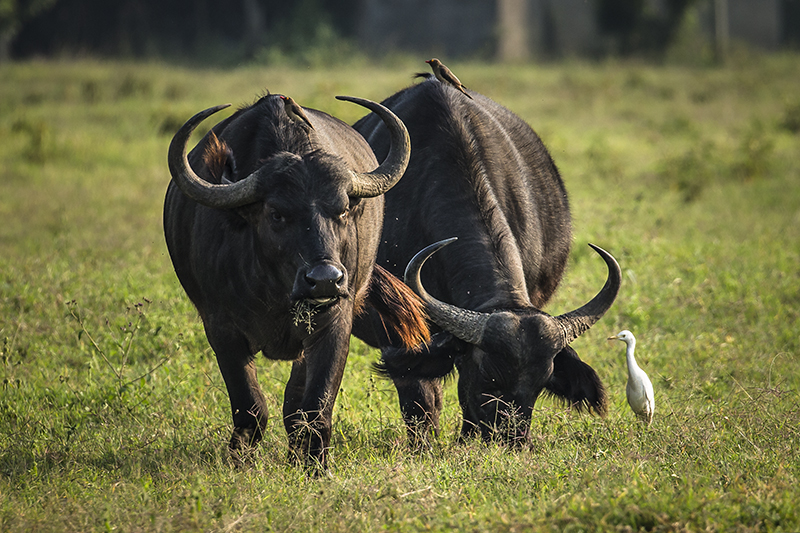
505,358
299,205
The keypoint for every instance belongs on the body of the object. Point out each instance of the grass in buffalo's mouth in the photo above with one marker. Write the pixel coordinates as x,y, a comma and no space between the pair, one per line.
303,312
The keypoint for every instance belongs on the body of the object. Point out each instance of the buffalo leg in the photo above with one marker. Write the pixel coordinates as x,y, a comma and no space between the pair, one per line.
293,401
470,426
311,393
420,404
421,397
248,405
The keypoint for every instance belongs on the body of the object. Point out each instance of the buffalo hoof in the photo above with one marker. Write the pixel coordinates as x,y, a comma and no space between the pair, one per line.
242,445
308,448
314,466
421,434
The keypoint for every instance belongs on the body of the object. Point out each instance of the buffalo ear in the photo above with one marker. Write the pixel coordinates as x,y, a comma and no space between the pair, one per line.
218,158
577,383
428,361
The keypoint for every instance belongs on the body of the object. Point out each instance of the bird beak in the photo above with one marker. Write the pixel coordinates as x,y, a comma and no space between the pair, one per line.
615,337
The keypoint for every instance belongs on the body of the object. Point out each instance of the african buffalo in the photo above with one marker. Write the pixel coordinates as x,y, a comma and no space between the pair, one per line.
273,230
479,173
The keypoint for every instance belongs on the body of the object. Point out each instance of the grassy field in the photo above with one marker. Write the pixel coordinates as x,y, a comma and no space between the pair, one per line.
113,415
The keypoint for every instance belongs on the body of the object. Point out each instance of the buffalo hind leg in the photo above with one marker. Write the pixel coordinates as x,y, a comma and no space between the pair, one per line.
420,404
248,405
417,374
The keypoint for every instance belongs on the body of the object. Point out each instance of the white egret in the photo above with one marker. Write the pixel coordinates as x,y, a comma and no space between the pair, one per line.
639,390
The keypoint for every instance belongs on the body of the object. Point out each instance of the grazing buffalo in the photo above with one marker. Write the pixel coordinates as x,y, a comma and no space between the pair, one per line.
273,229
481,174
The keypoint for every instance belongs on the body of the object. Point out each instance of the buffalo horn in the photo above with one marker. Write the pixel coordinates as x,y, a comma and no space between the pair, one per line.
221,196
383,178
574,323
470,326
464,324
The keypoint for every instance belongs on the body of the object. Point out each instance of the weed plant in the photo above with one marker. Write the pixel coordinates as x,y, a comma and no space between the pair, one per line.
113,415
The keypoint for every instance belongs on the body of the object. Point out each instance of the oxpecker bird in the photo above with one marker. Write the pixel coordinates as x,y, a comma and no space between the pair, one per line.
295,112
444,75
639,390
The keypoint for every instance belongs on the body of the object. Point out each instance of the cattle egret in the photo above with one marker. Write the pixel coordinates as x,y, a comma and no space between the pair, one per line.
639,390
445,75
295,112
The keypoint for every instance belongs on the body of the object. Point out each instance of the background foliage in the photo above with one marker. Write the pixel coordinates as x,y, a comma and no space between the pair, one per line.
219,32
113,415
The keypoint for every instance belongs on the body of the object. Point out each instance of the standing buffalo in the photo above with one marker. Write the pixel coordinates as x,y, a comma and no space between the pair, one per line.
273,230
481,174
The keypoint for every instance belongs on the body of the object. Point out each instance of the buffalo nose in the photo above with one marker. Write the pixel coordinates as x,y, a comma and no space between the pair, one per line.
324,280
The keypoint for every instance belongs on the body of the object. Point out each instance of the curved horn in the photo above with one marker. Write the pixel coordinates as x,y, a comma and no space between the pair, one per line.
574,323
383,178
462,323
209,194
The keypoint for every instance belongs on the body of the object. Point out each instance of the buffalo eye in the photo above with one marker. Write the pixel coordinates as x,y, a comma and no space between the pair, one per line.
276,216
344,214
492,390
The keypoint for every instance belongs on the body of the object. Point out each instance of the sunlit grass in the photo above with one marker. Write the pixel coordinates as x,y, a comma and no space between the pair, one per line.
113,414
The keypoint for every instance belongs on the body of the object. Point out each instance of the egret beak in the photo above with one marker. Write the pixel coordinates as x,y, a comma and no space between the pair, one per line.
615,337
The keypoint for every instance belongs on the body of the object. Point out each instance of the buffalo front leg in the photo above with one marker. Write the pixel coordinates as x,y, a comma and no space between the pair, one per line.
311,393
248,405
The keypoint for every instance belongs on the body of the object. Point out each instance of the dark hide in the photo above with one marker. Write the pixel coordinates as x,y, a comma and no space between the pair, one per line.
285,274
574,382
479,173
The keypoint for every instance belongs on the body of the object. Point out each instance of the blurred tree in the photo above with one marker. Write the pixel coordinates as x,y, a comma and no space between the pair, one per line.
13,14
636,26
217,31
513,30
790,15
620,18
253,18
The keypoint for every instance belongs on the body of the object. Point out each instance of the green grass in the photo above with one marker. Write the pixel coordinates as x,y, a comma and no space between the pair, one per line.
113,415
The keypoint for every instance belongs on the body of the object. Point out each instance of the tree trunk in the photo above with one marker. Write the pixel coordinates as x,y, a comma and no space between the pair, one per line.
513,30
253,27
6,36
721,30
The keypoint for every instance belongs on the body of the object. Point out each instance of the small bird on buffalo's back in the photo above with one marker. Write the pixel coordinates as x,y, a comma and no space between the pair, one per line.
295,112
639,389
445,75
